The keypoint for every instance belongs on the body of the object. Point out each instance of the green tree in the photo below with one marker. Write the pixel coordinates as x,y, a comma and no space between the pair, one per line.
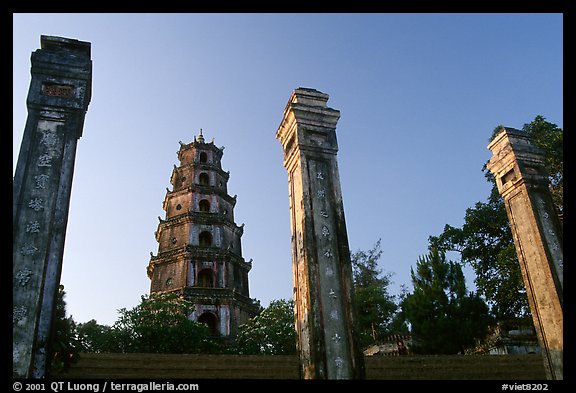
159,324
444,317
550,138
375,307
271,332
399,323
485,243
485,240
62,347
94,337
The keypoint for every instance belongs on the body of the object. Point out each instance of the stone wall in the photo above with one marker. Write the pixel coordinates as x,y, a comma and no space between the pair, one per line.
193,366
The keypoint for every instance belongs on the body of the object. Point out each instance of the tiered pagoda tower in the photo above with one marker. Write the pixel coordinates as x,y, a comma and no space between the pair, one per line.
200,252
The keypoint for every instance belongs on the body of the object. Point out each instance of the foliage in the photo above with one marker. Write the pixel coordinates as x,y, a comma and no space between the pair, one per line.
399,323
159,324
485,240
375,307
271,332
444,318
550,138
62,348
94,337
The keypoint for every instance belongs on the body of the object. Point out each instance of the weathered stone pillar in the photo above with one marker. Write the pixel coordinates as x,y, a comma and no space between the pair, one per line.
322,271
522,180
60,91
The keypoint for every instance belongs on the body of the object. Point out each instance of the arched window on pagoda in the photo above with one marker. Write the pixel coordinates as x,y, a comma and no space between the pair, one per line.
204,206
211,320
205,239
203,179
206,278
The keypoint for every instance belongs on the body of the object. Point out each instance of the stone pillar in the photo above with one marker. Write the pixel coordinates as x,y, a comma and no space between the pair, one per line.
522,181
60,91
322,271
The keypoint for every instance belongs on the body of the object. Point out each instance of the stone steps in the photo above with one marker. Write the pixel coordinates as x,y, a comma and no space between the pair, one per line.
199,366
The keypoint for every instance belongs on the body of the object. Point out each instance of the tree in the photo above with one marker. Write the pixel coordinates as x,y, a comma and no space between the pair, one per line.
399,323
271,332
550,138
444,317
62,347
375,307
94,337
485,240
159,324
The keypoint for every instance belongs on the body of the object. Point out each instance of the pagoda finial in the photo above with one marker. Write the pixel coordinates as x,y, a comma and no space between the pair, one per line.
201,137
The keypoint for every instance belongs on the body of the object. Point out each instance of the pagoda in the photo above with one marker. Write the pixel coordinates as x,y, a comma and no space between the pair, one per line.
199,244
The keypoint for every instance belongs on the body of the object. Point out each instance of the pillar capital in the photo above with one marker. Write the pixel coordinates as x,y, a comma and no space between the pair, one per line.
516,161
308,126
61,76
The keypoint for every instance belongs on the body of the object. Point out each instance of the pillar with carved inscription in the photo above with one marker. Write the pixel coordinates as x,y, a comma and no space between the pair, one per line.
522,180
322,271
58,98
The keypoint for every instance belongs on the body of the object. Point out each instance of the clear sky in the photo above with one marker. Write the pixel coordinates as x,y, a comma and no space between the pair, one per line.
419,96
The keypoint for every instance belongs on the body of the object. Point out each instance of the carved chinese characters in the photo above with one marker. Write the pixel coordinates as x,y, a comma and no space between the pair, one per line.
57,90
30,235
328,259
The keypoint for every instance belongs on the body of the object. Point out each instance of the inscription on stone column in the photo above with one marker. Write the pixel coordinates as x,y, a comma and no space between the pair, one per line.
33,227
19,313
334,325
57,90
41,180
551,237
45,160
36,204
23,276
29,261
28,249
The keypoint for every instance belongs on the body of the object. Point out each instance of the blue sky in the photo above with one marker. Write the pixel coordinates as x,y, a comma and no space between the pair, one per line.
419,96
